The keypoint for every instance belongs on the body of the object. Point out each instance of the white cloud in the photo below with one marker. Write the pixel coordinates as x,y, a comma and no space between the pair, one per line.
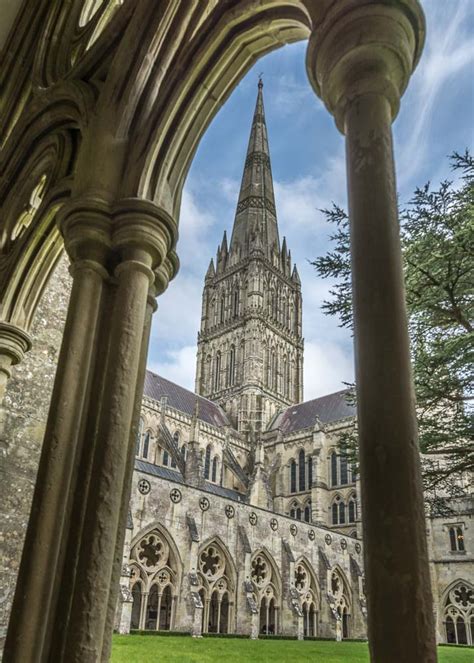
178,366
328,366
449,49
299,201
289,94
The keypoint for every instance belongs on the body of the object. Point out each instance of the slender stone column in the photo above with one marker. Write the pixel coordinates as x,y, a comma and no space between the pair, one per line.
360,63
43,552
90,433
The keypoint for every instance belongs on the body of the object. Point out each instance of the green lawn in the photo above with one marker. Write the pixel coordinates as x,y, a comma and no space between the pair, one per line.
170,649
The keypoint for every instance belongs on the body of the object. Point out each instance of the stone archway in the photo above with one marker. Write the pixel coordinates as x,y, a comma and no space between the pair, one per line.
120,229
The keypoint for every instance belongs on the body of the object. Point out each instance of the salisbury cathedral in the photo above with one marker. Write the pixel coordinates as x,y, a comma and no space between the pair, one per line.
244,516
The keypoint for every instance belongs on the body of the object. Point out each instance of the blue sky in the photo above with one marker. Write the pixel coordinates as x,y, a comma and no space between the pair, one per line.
307,153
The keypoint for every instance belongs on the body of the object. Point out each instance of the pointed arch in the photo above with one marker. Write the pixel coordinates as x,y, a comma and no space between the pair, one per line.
458,612
155,557
308,588
266,582
217,576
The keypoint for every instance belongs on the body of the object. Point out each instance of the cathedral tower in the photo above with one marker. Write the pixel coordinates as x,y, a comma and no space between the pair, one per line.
250,347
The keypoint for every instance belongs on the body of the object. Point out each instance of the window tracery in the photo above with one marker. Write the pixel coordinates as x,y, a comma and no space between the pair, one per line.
459,614
266,593
154,582
216,589
309,601
339,601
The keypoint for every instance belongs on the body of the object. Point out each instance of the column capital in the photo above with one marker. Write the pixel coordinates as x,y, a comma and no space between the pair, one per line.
141,227
14,344
365,47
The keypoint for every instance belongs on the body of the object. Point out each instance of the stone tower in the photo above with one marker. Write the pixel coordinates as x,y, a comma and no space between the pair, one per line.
250,347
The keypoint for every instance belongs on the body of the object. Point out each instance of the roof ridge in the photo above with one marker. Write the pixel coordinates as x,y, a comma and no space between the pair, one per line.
193,393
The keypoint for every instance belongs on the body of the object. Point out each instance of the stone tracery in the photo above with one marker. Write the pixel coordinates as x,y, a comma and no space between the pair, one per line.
154,582
217,588
459,614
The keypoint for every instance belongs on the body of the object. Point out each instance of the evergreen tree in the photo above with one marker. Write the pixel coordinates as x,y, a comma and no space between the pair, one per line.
437,231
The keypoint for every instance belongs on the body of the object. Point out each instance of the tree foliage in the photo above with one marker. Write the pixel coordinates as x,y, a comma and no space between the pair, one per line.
437,232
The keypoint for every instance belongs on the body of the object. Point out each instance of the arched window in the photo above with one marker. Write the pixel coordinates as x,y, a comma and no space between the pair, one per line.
458,614
146,444
217,589
285,376
207,462
292,476
217,371
141,426
338,511
214,469
306,586
352,510
235,303
340,596
274,371
184,452
307,512
266,585
222,310
310,472
231,366
301,470
342,513
176,439
334,469
166,458
344,471
298,513
155,574
456,538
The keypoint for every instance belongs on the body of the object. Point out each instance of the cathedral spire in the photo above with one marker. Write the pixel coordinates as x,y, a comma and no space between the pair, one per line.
255,218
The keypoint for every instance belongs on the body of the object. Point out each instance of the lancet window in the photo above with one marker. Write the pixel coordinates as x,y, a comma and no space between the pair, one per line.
217,589
266,593
341,474
207,462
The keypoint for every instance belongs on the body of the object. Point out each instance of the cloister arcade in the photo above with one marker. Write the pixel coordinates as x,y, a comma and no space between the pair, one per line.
104,104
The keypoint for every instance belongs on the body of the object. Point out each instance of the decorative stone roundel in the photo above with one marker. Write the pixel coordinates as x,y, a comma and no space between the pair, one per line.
328,539
152,552
211,562
144,486
357,548
274,524
175,495
204,503
293,529
343,544
311,535
253,518
229,511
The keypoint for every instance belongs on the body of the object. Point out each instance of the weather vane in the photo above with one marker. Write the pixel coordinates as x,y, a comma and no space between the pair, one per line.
260,82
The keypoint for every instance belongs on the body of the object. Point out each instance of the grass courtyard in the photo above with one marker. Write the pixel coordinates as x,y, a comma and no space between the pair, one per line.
169,649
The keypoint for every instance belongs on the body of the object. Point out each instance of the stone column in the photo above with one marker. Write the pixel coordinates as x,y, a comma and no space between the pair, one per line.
118,253
360,60
14,343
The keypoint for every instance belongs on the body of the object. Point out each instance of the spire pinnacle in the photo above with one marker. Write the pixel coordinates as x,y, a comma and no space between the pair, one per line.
255,217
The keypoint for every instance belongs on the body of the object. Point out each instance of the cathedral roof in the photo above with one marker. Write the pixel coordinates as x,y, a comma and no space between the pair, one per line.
327,409
255,218
183,400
